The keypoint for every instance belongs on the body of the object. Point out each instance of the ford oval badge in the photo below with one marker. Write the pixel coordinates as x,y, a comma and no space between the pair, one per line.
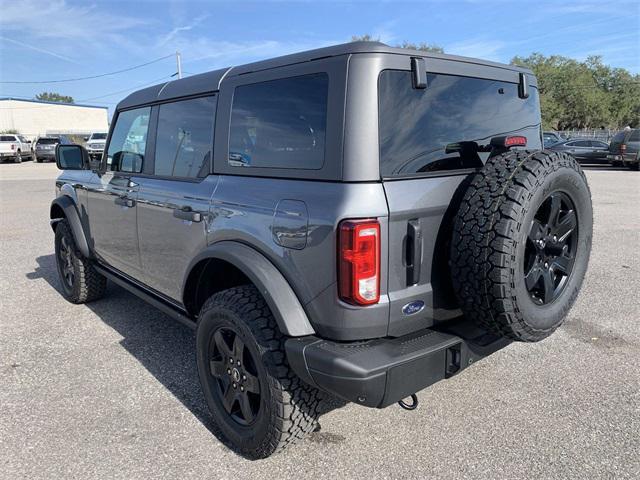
413,307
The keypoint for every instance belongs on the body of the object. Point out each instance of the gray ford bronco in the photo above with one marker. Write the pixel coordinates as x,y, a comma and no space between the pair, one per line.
348,224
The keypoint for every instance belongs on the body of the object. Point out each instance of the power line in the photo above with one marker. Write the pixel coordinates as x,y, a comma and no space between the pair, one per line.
151,82
90,77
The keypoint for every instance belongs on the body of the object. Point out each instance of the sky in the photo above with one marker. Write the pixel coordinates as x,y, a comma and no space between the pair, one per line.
49,40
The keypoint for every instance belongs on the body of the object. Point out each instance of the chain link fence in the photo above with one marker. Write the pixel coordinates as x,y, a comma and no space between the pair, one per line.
602,134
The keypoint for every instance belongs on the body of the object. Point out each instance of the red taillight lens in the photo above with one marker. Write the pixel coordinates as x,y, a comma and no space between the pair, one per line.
13,146
623,148
359,261
516,141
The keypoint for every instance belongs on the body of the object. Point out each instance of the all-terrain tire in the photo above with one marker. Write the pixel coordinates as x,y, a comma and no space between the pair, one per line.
490,236
83,284
289,407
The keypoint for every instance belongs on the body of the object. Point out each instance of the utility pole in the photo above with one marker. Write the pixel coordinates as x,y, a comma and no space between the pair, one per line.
179,62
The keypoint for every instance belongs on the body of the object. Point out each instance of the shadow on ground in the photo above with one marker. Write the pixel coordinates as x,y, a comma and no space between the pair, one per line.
163,346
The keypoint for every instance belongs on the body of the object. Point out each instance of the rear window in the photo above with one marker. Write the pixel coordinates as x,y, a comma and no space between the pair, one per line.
441,127
280,123
7,138
618,137
48,141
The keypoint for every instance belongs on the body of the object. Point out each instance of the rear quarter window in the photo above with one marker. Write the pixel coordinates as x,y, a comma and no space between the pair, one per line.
280,124
419,128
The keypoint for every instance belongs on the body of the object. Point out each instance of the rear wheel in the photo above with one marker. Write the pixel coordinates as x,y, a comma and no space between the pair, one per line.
259,404
18,157
521,245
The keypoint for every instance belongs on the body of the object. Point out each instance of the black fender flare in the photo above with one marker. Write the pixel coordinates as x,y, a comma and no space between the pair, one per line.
273,286
70,210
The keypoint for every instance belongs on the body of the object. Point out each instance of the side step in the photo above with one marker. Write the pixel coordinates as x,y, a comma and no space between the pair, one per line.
148,296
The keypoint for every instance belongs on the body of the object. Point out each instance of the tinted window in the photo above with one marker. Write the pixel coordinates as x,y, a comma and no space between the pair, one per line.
579,143
618,137
47,141
598,144
7,138
129,141
185,138
447,125
635,136
99,136
280,123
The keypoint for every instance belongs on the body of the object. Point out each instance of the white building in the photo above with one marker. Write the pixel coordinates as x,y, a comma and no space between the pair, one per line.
35,118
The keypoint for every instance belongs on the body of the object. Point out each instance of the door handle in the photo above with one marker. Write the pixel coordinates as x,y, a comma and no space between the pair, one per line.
186,213
414,251
125,202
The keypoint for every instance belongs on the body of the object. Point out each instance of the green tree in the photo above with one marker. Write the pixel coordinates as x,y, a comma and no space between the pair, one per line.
422,46
587,94
54,97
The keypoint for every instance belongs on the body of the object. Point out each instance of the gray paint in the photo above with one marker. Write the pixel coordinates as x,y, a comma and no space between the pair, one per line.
277,225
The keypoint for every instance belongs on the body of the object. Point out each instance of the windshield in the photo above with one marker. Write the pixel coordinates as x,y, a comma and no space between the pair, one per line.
98,136
48,141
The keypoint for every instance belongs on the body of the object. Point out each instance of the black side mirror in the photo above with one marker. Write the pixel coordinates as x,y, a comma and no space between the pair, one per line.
71,157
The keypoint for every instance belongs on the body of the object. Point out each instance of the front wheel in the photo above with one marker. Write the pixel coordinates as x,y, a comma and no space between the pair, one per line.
259,404
81,283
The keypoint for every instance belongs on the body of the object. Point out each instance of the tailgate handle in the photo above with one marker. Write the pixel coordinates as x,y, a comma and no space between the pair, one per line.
414,251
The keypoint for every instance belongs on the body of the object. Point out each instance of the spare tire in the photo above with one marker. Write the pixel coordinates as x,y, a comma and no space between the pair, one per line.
521,243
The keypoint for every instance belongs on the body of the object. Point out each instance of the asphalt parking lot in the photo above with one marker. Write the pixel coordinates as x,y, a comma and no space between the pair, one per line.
109,389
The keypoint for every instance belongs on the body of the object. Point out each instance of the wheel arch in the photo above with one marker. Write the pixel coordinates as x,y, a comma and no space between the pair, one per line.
226,264
63,207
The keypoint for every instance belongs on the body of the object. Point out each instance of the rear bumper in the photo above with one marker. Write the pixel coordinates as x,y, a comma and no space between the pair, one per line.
377,373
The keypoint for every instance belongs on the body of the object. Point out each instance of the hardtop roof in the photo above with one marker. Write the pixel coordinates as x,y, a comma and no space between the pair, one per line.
211,81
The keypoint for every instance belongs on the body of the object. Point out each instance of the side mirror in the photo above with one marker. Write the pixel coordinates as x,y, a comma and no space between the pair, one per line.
71,157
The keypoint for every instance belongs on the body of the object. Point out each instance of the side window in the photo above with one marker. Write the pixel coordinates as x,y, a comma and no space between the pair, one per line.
582,143
129,141
185,138
635,136
280,123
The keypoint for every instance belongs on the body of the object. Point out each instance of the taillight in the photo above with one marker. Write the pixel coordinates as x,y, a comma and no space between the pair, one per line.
515,141
13,146
623,147
359,261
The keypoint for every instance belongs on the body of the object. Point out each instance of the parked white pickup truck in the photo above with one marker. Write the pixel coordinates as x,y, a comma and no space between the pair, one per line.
14,147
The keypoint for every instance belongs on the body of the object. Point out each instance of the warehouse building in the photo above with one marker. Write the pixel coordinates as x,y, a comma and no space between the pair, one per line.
36,118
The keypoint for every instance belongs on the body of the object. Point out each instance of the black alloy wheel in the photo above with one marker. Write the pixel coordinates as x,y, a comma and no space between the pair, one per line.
66,257
234,369
551,248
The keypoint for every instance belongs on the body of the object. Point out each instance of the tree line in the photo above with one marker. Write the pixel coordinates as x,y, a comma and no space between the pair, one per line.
573,94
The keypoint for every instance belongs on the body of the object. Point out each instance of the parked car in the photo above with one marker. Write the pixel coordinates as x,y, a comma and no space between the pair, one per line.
588,151
45,150
551,138
95,144
337,237
14,147
625,149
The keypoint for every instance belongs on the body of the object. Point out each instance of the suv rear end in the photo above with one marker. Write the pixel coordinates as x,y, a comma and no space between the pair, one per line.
45,149
624,149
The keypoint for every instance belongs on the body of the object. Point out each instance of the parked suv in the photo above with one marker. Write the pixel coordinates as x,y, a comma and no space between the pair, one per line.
15,148
355,222
45,150
624,149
